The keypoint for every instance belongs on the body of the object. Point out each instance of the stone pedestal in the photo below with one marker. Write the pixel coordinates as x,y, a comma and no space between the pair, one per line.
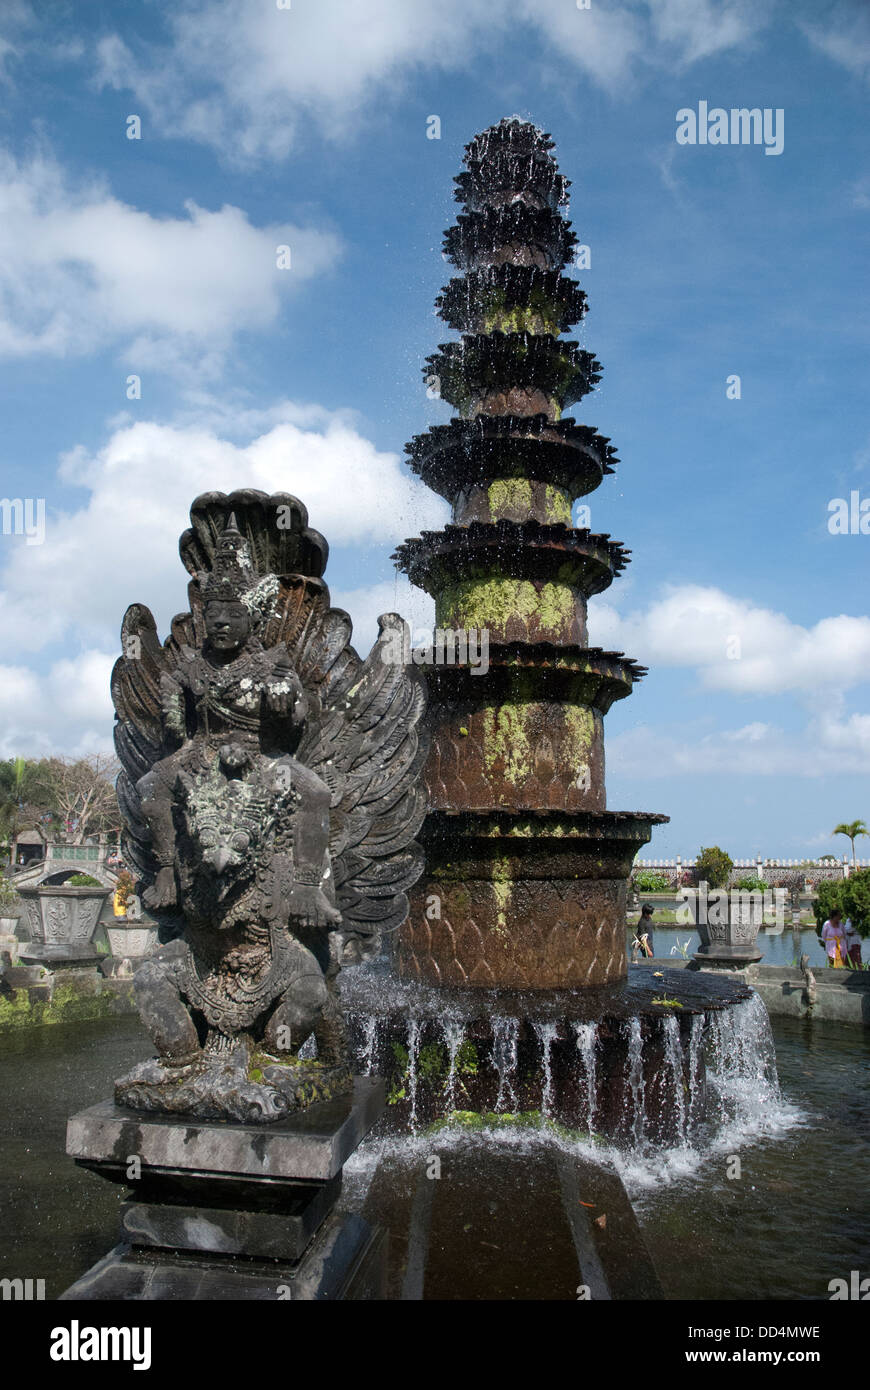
226,1211
62,922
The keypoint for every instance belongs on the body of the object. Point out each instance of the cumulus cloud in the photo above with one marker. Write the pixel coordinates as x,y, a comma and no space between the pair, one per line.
240,74
81,271
68,710
247,78
831,744
119,546
737,646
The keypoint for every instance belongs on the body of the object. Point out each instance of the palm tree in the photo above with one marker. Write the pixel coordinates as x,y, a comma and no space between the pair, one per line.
851,829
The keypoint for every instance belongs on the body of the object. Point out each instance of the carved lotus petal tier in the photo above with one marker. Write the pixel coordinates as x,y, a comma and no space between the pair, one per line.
500,363
469,300
452,458
513,232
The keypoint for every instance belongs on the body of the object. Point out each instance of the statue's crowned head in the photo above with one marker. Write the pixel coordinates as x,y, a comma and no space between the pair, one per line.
236,599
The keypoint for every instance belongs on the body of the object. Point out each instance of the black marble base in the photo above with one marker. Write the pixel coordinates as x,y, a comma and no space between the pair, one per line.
219,1210
734,957
345,1261
59,955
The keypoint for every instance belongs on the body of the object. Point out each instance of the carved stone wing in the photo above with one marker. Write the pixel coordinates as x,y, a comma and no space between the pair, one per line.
370,750
139,729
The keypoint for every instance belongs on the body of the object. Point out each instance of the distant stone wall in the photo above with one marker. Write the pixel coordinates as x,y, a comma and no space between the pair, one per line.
792,874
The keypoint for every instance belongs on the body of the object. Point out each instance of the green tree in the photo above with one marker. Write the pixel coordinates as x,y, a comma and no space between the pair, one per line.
828,896
851,896
25,799
851,829
82,794
713,866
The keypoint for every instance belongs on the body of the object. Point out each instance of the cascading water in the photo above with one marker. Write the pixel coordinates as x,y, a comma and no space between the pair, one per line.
413,1050
743,1087
587,1039
546,1036
634,1067
454,1035
369,1038
696,1076
674,1063
505,1033
660,1085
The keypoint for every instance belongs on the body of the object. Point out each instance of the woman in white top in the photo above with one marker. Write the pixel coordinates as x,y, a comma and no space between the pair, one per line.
834,940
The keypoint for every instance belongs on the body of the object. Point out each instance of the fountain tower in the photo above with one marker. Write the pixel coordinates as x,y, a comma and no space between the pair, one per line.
527,870
514,995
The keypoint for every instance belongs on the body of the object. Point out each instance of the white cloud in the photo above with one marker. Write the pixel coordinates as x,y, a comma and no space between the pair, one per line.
603,41
249,79
17,20
694,626
830,745
120,546
69,710
241,73
844,36
699,28
81,271
366,605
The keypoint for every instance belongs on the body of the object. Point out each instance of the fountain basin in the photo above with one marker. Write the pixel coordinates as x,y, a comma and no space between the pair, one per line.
611,1062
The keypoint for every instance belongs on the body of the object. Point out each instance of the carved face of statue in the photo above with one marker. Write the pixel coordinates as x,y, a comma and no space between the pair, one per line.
227,624
226,821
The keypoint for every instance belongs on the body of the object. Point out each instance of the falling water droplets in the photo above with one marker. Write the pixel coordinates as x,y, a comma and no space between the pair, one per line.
370,1033
546,1033
413,1050
674,1063
505,1032
586,1035
634,1066
453,1036
696,1075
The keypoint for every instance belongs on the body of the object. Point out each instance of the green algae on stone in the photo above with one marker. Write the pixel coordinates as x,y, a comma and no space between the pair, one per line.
579,736
492,602
506,740
557,505
509,495
67,1003
502,888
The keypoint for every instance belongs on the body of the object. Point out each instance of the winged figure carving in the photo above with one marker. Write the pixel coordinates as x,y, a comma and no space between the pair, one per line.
271,794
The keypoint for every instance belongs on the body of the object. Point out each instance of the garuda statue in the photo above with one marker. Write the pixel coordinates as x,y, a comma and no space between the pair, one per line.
271,794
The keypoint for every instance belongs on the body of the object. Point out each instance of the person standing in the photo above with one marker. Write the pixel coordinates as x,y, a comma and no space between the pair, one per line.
853,944
834,940
644,931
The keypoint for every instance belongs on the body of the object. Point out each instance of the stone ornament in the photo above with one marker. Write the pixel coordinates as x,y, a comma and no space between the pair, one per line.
271,794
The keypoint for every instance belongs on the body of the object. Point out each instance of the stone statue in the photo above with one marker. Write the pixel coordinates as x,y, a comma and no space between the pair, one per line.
271,795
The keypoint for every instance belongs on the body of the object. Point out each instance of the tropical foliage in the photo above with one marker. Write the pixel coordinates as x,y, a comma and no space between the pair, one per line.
713,866
851,896
64,799
851,829
648,881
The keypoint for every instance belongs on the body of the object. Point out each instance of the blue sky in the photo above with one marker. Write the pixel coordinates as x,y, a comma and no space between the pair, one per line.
307,127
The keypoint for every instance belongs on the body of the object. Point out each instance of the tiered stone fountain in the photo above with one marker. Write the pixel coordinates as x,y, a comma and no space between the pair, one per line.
513,957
